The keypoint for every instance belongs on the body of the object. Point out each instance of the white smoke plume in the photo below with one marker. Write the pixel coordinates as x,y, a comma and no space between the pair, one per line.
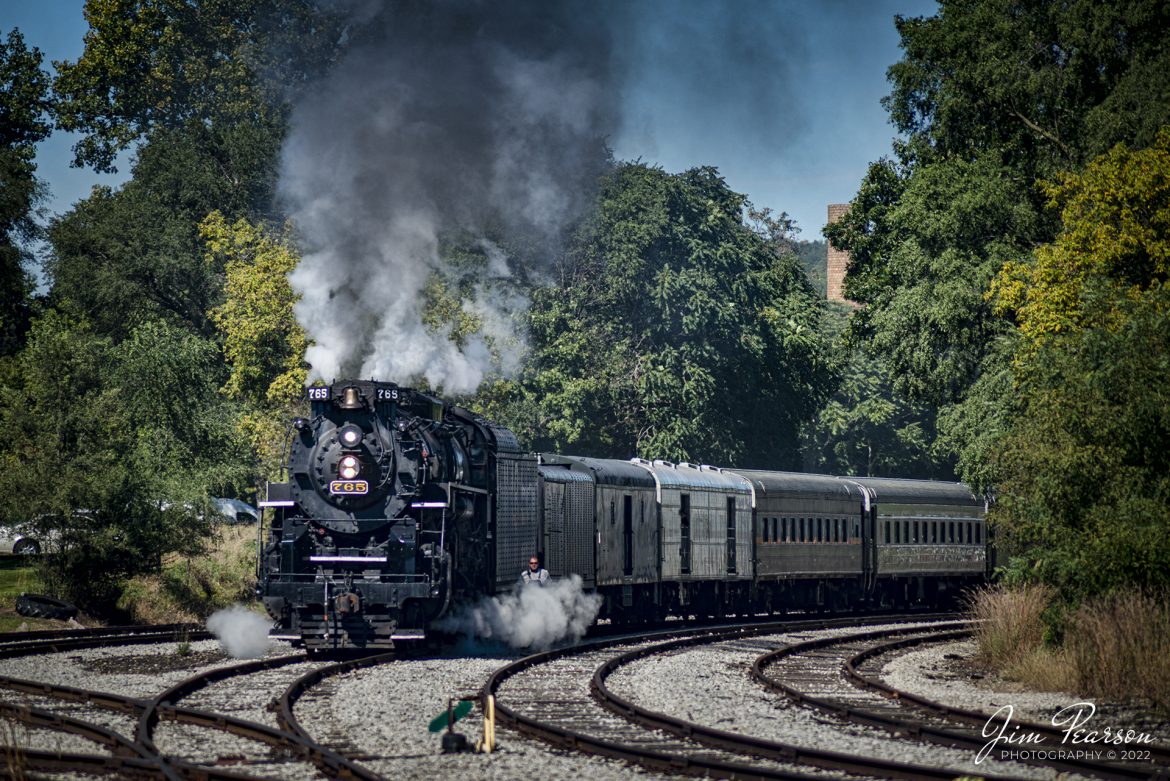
529,616
242,633
449,118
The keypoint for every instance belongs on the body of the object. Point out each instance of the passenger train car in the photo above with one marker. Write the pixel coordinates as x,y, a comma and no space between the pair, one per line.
398,506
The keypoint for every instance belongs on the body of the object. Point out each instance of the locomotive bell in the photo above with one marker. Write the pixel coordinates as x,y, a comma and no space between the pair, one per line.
351,398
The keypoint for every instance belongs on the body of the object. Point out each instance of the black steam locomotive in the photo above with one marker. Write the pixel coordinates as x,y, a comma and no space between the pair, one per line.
399,505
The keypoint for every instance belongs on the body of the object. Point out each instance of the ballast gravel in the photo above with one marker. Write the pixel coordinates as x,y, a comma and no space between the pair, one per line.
131,671
712,685
946,673
385,711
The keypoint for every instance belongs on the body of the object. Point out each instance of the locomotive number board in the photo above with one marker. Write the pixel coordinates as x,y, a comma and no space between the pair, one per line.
349,487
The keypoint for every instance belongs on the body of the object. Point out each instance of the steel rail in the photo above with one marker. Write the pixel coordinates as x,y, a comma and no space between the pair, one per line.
94,631
58,645
149,715
128,757
1159,754
150,711
649,758
336,765
927,732
746,744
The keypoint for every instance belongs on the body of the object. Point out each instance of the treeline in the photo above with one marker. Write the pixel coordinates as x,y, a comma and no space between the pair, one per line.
1009,258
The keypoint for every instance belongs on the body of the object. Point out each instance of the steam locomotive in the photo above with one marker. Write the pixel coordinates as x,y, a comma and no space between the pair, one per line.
398,506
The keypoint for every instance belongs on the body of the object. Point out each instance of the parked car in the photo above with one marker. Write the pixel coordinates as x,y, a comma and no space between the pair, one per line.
13,541
236,511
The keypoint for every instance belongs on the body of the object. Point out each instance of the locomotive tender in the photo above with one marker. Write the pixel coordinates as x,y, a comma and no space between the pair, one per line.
398,506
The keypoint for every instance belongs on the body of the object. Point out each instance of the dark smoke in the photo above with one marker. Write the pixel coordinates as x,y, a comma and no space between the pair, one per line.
486,120
443,118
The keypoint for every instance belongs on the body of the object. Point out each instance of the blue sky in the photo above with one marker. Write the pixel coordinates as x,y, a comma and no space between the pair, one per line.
795,130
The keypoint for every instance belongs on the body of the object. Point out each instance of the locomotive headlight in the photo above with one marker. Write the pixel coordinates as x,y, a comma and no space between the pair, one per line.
348,468
350,435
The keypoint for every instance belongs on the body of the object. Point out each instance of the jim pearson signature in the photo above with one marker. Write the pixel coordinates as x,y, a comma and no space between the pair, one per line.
1072,720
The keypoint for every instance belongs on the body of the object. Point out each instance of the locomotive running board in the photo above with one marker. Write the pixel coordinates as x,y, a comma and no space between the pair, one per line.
408,634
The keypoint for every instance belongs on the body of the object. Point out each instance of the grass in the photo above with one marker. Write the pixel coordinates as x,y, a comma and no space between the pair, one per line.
1120,647
190,588
1117,646
18,574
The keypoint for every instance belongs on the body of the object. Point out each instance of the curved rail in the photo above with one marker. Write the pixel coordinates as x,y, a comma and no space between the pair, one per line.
947,736
142,757
691,763
336,765
1159,754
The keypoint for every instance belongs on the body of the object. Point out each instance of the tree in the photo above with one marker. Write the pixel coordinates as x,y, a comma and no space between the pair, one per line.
1083,472
112,450
925,244
814,256
121,258
1114,245
1049,85
675,330
23,122
867,428
263,343
994,96
173,64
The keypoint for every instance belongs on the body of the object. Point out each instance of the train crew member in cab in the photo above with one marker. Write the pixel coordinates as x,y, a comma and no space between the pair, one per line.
535,574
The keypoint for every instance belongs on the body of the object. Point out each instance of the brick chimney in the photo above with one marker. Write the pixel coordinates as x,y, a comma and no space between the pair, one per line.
838,258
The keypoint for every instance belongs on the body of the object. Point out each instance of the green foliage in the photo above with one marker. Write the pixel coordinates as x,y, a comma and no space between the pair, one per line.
1084,471
924,248
174,64
263,343
123,258
814,256
23,96
1048,85
23,122
675,331
867,428
1114,245
112,449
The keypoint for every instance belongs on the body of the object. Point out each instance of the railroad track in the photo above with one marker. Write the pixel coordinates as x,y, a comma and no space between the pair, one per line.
839,676
266,742
562,697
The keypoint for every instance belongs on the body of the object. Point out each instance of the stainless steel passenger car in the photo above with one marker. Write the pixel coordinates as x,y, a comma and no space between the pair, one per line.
706,533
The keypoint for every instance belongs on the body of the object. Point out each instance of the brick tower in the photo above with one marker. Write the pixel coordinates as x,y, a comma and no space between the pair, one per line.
838,258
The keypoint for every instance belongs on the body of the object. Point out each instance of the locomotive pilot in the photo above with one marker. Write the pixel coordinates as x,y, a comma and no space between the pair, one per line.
535,574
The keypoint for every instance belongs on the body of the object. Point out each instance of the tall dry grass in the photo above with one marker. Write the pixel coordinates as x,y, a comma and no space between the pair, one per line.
1119,647
1009,623
1116,646
1009,634
190,588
